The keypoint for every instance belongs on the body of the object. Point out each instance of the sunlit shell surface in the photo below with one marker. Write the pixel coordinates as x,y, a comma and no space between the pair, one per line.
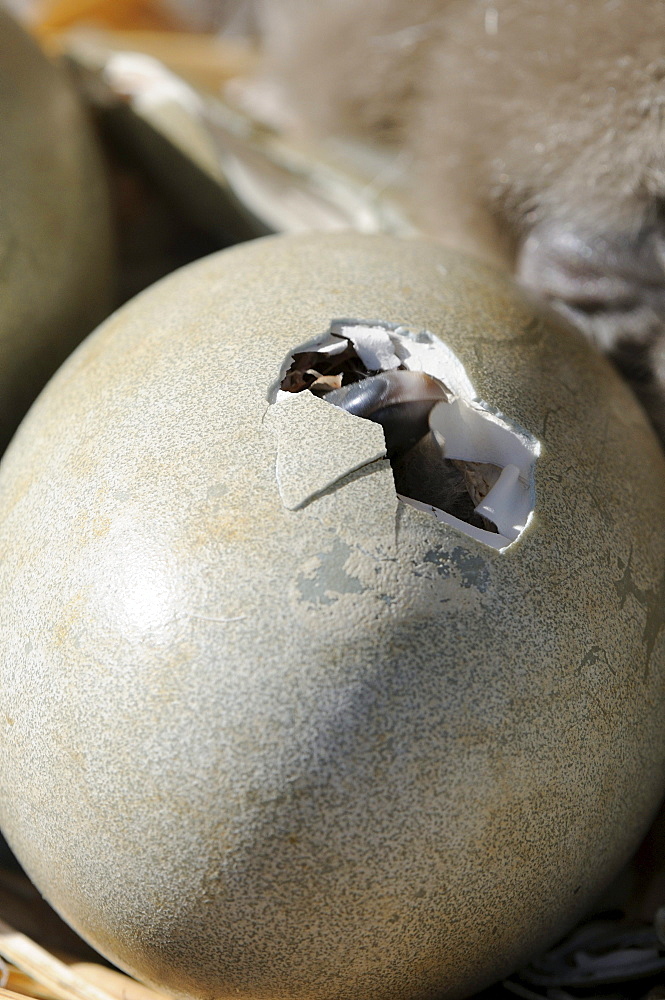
267,729
55,241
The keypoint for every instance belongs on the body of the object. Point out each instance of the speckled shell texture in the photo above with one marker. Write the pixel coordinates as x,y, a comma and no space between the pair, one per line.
342,751
55,241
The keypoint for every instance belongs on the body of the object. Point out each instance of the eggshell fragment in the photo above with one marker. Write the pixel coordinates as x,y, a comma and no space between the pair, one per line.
317,446
331,748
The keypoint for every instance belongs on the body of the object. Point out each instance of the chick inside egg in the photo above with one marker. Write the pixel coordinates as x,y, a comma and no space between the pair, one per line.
450,452
277,733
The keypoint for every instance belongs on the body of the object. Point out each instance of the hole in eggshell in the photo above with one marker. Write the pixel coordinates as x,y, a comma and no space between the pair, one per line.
451,454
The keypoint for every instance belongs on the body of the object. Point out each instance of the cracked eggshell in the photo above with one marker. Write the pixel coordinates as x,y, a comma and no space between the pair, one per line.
55,241
323,747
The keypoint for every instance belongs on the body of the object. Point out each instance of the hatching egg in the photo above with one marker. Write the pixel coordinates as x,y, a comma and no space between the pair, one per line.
54,223
332,655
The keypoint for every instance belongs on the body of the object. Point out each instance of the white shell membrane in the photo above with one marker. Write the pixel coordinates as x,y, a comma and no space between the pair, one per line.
465,428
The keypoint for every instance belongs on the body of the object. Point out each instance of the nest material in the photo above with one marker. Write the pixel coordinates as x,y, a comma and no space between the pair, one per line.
61,966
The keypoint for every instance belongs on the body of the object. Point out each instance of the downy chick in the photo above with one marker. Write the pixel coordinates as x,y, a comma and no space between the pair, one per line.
531,132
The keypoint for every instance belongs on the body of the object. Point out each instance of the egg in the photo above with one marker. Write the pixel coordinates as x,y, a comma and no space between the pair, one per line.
55,239
275,721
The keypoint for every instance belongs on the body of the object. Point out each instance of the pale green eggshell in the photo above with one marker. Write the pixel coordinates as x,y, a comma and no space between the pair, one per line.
342,750
55,239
